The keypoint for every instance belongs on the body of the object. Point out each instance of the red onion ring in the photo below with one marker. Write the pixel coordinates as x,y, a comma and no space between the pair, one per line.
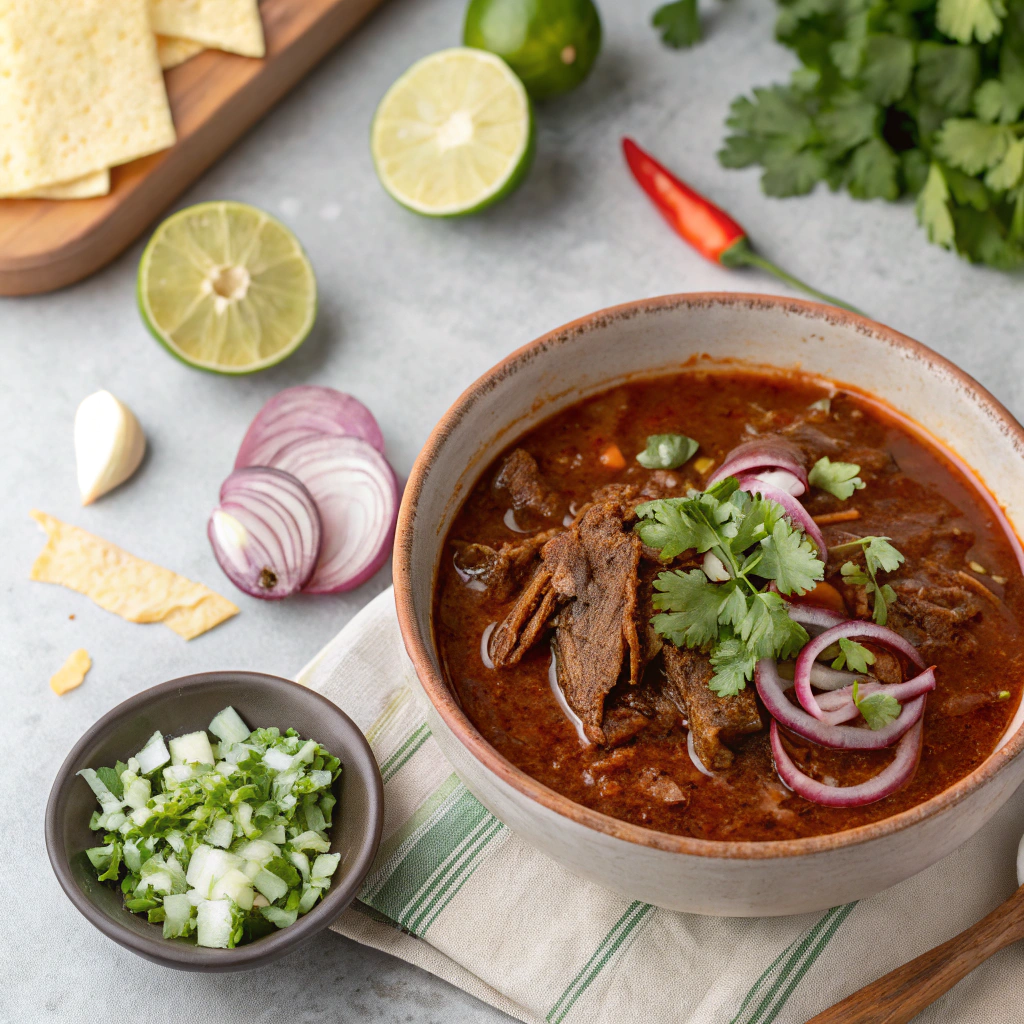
763,454
880,635
885,783
266,533
839,737
357,494
812,617
798,515
839,706
781,479
305,411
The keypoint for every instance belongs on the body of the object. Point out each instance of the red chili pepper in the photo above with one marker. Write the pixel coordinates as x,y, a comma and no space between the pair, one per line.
709,229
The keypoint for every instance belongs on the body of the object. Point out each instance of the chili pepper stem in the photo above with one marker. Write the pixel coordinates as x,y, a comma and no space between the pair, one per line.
742,254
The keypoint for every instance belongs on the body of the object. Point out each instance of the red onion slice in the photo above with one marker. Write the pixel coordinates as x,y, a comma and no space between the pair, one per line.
782,480
305,411
840,702
854,628
839,737
765,454
798,515
812,617
266,533
357,494
897,774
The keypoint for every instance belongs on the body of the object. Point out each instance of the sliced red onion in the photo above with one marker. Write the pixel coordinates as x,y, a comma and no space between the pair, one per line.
307,410
782,480
897,774
357,494
839,703
798,515
812,617
266,533
840,737
485,646
825,678
759,458
852,629
697,762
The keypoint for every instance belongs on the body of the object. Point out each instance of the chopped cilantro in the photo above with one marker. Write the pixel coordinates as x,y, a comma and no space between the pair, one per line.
923,97
879,556
879,709
738,620
667,451
854,655
838,478
678,23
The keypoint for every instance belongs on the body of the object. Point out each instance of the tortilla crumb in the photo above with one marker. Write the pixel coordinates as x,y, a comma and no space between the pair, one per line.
72,672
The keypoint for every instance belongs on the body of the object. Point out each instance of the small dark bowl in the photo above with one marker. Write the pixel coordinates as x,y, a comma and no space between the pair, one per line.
184,705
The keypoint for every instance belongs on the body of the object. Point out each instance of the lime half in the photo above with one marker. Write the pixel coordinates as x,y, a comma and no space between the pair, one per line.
226,288
453,134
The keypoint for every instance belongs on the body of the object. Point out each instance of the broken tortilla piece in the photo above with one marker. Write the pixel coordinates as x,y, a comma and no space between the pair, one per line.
173,50
71,673
232,25
88,186
123,584
81,90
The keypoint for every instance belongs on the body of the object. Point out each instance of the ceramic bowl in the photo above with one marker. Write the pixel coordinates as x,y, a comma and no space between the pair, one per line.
184,705
643,339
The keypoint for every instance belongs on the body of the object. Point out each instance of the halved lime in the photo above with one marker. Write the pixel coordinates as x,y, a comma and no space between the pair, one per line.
550,44
226,288
454,134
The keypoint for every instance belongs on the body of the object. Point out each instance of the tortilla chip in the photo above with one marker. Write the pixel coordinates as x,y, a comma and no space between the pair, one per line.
80,90
86,187
71,673
173,50
232,25
125,585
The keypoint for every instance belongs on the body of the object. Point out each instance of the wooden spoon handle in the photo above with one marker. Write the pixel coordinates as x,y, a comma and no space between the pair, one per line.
902,994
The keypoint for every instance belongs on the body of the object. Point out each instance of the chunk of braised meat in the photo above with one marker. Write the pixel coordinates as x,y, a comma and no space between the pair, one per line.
501,570
523,626
631,710
715,722
933,610
521,479
660,786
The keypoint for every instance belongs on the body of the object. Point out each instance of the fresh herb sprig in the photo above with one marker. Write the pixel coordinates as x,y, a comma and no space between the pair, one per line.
879,709
838,478
678,23
879,556
739,619
854,655
667,451
925,98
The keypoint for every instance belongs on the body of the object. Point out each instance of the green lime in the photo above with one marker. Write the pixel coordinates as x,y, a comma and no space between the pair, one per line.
226,288
550,44
454,134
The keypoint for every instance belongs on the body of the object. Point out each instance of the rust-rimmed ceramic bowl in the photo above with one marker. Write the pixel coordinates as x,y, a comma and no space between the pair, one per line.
643,339
184,705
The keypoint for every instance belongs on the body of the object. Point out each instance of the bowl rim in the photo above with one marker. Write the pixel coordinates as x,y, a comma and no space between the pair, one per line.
182,955
439,695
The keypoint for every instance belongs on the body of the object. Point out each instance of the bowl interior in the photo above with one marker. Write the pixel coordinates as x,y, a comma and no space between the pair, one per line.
185,705
657,336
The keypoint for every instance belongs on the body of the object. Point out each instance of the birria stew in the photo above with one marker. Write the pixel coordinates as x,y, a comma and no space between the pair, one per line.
733,605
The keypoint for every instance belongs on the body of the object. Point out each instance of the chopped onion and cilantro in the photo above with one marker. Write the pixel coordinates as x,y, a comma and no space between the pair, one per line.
224,840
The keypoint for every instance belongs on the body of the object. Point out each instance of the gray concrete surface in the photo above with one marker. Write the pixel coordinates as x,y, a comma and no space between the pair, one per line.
412,311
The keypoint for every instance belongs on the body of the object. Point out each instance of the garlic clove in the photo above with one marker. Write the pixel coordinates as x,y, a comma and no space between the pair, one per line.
109,444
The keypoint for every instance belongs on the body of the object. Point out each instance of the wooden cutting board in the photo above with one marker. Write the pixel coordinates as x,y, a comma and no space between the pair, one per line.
215,98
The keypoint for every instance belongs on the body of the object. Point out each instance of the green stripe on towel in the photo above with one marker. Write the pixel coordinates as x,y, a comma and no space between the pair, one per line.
390,768
635,913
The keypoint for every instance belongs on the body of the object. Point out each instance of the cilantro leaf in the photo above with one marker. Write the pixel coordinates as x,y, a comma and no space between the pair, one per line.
678,23
853,654
881,555
733,665
879,709
792,174
667,526
838,478
788,558
971,144
691,602
964,20
111,778
981,237
948,75
873,171
887,68
1007,173
667,451
847,124
933,211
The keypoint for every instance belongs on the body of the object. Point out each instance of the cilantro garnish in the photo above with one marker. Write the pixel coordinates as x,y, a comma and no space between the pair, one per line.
738,620
879,556
853,654
925,98
838,478
678,23
879,709
667,451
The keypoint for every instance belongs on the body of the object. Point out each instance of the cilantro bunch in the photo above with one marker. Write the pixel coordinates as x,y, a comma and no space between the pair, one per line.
748,543
900,96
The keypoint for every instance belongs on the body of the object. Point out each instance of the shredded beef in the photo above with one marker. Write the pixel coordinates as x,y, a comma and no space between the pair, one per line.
501,570
630,710
933,610
521,479
714,721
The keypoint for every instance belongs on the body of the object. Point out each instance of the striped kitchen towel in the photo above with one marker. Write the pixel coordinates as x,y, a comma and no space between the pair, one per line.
457,893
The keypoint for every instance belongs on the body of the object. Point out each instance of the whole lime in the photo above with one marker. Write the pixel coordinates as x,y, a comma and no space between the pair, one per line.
550,44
